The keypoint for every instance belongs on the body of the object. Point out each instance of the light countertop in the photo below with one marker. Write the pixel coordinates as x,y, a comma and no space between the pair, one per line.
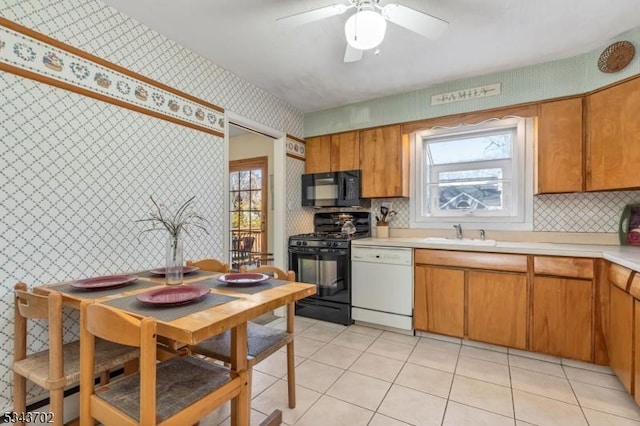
626,256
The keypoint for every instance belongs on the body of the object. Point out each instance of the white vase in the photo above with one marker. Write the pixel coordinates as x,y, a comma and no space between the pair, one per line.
173,272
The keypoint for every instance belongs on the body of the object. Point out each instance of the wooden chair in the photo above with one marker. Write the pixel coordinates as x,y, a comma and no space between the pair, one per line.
179,391
212,265
59,366
262,340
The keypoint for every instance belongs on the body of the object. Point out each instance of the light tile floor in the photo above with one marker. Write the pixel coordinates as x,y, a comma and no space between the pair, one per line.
359,375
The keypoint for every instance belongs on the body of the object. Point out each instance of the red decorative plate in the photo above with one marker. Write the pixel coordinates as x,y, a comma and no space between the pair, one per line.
109,281
243,279
185,270
170,296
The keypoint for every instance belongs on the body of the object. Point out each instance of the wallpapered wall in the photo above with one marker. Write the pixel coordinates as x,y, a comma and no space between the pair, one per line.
75,173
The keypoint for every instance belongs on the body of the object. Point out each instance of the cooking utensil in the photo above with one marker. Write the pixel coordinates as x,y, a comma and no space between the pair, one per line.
384,210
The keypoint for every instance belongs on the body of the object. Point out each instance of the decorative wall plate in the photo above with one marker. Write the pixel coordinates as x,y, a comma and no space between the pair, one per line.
617,56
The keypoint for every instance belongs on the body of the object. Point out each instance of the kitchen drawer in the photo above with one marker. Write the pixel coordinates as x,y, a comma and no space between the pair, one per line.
634,288
563,266
619,276
472,260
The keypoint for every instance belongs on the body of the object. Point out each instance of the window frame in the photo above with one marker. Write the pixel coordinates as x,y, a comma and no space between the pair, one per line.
520,218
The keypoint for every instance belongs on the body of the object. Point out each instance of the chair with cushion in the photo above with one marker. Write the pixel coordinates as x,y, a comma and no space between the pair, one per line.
262,340
212,265
59,366
179,391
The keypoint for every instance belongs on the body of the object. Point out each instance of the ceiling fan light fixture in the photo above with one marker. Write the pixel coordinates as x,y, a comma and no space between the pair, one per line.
365,29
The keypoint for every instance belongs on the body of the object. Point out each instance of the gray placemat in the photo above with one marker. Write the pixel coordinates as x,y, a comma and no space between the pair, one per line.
266,285
96,294
168,313
194,274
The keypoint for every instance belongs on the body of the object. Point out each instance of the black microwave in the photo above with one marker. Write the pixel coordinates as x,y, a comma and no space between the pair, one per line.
334,189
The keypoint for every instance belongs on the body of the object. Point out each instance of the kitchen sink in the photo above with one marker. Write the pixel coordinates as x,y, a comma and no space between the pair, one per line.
459,241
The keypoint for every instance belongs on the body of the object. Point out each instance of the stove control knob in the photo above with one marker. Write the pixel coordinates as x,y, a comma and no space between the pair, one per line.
298,243
304,243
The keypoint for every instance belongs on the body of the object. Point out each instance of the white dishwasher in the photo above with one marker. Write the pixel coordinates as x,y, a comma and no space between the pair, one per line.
382,291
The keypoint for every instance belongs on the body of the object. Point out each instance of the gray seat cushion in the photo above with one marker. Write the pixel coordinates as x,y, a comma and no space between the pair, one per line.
179,383
261,339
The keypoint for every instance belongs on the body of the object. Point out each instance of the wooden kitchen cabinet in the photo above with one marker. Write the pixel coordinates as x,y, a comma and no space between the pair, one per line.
636,352
559,147
384,161
562,317
345,151
497,308
620,342
563,307
331,153
613,137
462,294
318,154
439,300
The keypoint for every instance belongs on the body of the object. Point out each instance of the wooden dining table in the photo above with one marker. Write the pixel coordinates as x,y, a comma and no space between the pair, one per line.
200,323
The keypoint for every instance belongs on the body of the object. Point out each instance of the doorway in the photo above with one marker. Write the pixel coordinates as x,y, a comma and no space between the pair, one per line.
246,140
248,191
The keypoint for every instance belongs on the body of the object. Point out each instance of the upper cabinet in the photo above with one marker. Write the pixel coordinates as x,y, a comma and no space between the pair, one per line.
587,143
332,153
345,151
613,137
384,161
382,154
559,165
318,154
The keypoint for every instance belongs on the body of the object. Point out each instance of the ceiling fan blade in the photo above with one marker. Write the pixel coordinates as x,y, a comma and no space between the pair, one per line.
426,25
311,15
351,54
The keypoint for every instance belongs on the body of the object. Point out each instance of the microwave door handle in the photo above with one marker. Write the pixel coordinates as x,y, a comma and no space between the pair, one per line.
344,188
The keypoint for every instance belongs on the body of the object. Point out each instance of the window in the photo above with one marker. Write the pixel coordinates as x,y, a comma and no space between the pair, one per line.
477,174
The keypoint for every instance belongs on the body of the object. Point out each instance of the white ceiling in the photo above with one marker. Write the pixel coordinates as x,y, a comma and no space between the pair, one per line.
304,65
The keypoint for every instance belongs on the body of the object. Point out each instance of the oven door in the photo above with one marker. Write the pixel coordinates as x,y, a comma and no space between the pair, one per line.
328,269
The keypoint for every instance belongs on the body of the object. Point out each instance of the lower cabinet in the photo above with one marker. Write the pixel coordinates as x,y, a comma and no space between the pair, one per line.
439,300
620,342
562,317
497,308
636,339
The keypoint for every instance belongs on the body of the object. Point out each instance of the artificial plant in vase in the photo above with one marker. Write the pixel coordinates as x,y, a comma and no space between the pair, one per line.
175,223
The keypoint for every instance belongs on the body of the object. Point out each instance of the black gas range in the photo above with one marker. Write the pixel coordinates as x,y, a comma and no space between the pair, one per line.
323,258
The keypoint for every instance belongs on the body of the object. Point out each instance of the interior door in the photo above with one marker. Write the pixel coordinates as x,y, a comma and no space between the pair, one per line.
248,209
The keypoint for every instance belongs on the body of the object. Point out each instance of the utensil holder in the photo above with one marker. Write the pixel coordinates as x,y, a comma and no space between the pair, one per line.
382,230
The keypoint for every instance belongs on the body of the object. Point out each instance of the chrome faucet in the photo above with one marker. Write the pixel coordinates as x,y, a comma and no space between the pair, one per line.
458,229
482,234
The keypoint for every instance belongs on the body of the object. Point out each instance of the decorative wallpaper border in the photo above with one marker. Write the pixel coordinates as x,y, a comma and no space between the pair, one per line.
296,148
36,56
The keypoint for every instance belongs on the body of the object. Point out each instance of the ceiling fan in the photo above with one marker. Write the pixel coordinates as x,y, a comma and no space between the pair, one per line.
365,29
